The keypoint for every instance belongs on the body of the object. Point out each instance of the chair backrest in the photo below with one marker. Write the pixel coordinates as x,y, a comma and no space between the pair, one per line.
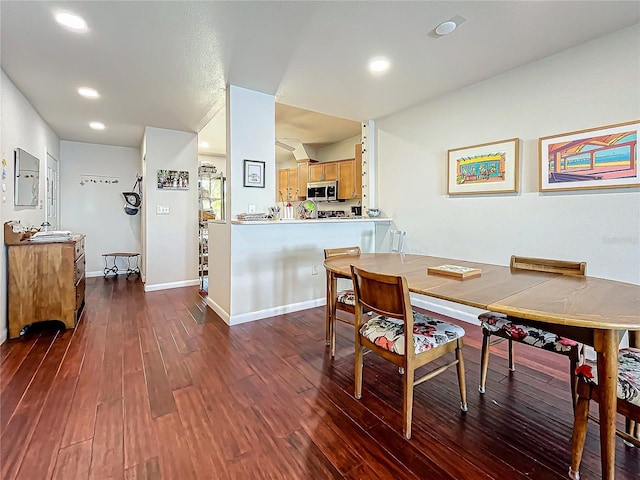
563,267
386,295
396,241
332,252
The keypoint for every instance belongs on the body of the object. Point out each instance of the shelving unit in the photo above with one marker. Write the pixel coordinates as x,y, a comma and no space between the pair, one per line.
211,191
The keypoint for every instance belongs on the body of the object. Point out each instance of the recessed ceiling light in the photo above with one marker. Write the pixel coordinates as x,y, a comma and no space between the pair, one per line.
379,65
88,92
97,125
204,144
72,21
445,28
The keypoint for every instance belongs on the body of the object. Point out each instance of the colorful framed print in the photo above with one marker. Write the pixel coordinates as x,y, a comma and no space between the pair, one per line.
254,173
602,157
485,168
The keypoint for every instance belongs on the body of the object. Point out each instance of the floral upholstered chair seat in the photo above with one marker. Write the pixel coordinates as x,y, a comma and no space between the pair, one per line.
347,297
428,333
628,374
495,322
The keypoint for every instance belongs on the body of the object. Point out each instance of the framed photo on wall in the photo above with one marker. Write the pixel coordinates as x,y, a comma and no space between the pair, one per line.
254,173
485,168
602,157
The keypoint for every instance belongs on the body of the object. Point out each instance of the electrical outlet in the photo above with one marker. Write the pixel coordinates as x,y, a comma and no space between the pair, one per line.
252,208
314,270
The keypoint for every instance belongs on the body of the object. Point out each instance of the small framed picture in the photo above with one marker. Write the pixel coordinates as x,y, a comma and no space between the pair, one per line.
254,173
486,168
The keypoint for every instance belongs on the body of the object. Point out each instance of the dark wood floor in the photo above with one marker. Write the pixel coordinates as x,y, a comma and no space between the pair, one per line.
153,386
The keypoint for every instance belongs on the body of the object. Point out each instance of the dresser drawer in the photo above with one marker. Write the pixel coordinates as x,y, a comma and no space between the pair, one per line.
79,269
80,294
79,246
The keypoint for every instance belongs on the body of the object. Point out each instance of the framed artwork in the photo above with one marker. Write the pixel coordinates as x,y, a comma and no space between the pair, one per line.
485,168
602,157
173,179
254,173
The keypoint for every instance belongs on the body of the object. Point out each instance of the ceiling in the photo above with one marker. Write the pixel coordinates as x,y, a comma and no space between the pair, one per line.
166,64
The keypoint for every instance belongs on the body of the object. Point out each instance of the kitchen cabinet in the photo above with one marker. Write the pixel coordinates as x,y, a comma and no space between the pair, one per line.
288,184
323,172
350,176
45,281
303,178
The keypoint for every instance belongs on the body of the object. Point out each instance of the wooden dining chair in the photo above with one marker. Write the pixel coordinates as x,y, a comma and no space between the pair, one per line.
387,296
499,325
628,403
343,300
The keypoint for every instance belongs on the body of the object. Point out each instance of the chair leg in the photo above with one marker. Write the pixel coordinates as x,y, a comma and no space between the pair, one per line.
332,340
408,380
633,429
579,434
573,364
512,365
461,377
484,363
358,368
327,326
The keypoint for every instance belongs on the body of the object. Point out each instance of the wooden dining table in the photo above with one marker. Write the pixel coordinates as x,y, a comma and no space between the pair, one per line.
594,311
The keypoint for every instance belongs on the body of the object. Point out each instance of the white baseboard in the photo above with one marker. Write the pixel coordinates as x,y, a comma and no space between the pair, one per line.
3,335
167,286
260,314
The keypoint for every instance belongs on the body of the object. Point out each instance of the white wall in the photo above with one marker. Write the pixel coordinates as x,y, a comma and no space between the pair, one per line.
96,209
271,269
20,127
171,249
251,135
591,85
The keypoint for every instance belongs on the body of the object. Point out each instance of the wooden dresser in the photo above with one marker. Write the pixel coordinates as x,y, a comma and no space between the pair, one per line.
45,281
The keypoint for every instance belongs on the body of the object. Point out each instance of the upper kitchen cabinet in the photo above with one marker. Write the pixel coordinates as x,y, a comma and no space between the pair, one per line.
323,172
288,189
303,178
350,176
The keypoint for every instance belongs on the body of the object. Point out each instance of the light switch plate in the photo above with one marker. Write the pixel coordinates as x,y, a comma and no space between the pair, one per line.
162,210
252,208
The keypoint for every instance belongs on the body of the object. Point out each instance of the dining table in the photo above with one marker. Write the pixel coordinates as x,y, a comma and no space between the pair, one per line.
591,310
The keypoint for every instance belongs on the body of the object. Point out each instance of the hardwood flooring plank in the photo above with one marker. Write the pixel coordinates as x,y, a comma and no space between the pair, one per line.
140,436
81,421
73,462
112,367
175,456
158,386
107,458
149,470
177,373
13,354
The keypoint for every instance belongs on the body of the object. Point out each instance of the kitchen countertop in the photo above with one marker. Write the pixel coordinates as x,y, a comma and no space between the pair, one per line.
311,220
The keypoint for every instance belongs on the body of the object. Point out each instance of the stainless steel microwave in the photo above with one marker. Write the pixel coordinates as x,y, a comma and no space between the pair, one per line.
322,191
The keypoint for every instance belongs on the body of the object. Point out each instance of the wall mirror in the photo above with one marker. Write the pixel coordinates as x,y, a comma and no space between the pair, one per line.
27,186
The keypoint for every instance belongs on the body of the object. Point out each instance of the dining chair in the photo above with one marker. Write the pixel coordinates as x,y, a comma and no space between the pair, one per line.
396,241
387,297
343,300
628,403
499,325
